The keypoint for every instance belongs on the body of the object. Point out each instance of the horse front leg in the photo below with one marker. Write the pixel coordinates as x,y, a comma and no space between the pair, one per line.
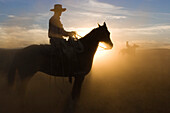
77,87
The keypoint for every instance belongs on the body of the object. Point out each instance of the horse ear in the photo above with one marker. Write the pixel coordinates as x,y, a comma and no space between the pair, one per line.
104,24
99,25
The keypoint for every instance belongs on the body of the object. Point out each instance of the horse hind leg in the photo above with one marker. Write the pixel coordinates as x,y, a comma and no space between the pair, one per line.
21,87
22,83
11,74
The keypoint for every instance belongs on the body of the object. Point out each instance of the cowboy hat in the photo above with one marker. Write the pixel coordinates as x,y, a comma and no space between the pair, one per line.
58,7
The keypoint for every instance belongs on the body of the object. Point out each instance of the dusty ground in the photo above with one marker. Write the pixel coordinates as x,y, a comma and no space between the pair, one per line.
125,84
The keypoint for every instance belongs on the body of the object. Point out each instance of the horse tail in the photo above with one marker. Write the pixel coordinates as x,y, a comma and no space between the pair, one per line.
11,73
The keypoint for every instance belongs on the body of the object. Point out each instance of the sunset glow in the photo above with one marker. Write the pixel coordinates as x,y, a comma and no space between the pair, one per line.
122,66
150,27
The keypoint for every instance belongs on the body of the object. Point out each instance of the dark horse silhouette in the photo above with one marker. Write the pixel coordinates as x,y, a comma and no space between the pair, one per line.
32,59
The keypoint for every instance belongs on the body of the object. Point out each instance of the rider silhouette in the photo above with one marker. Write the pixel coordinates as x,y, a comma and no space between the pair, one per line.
56,30
56,33
127,44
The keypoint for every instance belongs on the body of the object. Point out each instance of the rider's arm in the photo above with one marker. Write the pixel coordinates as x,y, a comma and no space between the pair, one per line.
55,31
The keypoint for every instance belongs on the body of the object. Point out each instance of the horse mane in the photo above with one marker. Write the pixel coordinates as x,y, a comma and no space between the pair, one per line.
90,33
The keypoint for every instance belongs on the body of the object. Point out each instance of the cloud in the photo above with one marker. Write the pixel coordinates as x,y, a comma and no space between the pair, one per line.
116,17
88,13
94,11
15,36
146,36
83,16
11,16
94,6
26,20
152,30
152,44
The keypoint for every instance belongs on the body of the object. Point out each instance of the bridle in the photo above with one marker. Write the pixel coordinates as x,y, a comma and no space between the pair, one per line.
82,37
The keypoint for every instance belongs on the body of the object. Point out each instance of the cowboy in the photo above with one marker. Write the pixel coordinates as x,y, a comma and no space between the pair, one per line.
127,44
56,33
56,30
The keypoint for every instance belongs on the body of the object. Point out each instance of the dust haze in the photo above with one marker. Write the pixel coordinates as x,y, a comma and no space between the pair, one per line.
116,84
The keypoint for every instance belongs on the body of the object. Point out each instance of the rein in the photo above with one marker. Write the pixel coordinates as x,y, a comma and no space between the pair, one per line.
78,35
82,37
102,47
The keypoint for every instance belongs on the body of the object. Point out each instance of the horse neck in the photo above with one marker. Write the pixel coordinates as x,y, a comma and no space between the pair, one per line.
90,43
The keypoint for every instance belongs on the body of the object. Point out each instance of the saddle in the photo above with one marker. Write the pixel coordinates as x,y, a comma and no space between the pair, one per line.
67,52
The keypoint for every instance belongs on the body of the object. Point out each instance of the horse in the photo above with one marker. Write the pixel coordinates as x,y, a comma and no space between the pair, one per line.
34,58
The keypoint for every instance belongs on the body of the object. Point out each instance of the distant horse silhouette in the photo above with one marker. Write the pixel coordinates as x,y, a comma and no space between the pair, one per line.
129,50
34,58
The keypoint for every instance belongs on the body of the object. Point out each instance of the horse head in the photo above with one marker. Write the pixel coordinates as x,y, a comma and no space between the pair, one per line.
104,36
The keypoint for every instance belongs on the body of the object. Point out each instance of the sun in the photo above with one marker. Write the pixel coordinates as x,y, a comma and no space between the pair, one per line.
101,52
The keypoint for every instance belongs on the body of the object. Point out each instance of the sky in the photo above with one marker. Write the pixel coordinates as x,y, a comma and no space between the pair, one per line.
143,22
